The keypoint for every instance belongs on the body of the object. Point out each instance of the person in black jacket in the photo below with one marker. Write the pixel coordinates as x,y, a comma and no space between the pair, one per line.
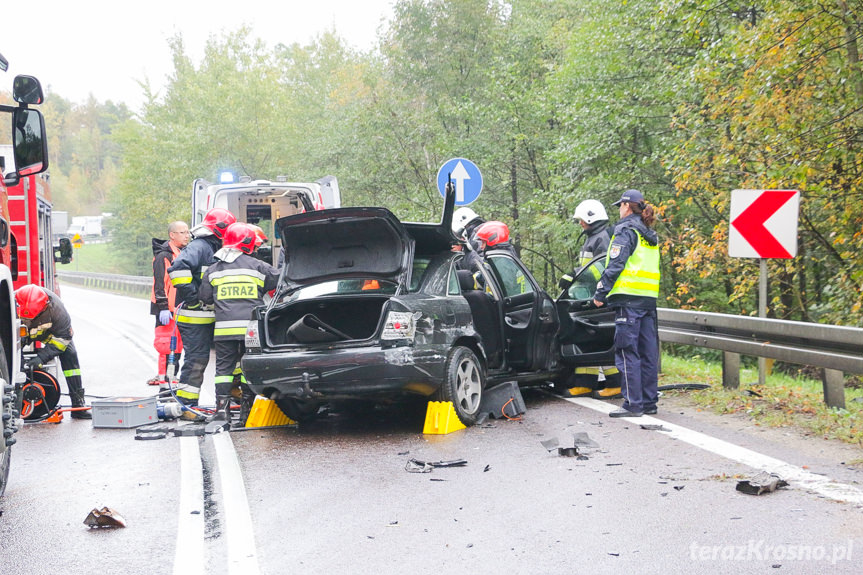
235,284
46,320
163,295
195,321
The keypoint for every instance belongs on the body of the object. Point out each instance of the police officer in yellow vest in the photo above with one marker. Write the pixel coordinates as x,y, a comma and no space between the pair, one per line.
630,284
592,217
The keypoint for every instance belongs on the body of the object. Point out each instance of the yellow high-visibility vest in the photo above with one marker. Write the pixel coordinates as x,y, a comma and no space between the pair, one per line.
640,276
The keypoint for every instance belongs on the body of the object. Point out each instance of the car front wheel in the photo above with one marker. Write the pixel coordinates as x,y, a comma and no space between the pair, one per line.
464,384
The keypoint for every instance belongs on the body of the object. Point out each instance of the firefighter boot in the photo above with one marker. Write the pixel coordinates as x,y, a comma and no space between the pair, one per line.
223,409
77,396
246,405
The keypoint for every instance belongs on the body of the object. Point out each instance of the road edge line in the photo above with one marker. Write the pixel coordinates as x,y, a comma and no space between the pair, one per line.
189,553
239,530
799,477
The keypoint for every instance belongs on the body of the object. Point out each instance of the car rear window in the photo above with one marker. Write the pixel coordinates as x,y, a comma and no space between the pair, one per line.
419,269
345,287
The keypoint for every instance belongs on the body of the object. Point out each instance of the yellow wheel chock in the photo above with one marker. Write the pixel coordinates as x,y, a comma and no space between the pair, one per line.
265,413
441,419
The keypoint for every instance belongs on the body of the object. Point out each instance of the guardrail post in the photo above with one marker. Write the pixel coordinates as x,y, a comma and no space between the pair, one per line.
834,387
730,370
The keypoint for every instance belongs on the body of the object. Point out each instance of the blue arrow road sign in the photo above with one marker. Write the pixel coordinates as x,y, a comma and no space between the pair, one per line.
465,177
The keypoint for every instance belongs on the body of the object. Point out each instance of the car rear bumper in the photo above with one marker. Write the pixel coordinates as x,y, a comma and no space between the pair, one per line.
350,372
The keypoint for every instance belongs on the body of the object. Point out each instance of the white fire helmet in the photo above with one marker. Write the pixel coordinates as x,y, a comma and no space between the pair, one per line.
590,211
461,218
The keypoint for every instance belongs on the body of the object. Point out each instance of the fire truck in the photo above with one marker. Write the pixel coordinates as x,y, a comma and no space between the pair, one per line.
262,202
30,154
33,252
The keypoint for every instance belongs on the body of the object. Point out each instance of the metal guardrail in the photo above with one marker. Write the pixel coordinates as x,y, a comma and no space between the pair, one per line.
129,285
834,349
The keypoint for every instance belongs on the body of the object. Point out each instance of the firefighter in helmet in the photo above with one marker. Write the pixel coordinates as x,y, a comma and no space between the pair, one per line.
494,236
592,217
46,320
235,284
465,223
194,320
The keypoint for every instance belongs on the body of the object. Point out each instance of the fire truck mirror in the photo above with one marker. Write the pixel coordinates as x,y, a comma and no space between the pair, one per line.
27,90
63,252
29,142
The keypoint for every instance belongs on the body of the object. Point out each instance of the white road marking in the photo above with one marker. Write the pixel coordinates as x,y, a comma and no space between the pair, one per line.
189,555
796,476
239,532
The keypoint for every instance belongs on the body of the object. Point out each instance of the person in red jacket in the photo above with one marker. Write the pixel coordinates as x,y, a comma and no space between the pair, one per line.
164,293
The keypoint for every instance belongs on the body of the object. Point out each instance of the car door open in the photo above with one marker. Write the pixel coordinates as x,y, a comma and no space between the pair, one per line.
586,332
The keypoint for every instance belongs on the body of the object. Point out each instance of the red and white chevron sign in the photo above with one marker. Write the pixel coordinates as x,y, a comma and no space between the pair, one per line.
763,224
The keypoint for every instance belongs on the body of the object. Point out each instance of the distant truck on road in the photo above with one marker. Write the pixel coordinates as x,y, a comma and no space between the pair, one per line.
85,226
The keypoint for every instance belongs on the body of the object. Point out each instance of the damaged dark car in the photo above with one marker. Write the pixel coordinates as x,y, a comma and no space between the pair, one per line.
371,308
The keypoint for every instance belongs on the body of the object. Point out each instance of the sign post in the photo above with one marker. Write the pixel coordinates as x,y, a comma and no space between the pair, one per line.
763,225
77,243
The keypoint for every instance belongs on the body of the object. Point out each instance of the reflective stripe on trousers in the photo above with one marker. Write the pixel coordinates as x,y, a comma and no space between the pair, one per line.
197,341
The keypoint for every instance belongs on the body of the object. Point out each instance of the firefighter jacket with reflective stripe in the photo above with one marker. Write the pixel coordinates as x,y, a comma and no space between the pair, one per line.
164,293
186,274
52,327
235,285
598,238
631,277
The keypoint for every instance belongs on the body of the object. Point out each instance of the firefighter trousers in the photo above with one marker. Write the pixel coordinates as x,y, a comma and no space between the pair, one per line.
72,373
636,356
197,341
228,373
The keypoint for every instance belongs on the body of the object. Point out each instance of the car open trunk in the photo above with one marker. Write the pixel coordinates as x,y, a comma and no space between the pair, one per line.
325,320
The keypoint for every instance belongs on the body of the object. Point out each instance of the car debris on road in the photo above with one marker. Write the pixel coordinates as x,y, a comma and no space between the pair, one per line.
104,518
763,482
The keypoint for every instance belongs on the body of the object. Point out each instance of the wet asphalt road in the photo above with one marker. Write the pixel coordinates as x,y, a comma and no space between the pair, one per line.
335,497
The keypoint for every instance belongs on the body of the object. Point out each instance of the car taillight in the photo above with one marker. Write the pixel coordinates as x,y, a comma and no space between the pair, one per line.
253,340
399,325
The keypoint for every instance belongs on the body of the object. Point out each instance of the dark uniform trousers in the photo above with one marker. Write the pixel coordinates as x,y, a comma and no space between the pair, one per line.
72,374
635,329
197,341
228,355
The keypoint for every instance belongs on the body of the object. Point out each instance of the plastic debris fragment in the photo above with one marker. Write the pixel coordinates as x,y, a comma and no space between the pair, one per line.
105,517
417,466
654,427
764,482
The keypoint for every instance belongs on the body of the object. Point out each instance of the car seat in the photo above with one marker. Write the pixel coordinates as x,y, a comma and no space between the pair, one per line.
486,317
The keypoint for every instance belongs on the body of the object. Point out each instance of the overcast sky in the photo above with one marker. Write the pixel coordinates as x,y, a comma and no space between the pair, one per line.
102,47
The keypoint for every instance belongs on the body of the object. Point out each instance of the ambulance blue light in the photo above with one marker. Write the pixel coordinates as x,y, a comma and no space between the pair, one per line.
226,178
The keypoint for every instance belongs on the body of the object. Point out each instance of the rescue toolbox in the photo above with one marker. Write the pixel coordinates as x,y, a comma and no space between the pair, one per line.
124,412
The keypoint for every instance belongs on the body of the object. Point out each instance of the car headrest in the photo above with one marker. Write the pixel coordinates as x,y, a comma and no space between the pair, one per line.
466,280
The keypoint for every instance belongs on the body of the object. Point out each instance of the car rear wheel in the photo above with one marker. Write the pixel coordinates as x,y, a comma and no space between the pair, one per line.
464,384
298,409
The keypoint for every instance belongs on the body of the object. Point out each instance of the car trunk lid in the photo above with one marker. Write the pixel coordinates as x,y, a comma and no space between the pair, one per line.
344,243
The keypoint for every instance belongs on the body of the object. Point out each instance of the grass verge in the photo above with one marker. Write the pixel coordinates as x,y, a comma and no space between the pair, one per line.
783,401
93,258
